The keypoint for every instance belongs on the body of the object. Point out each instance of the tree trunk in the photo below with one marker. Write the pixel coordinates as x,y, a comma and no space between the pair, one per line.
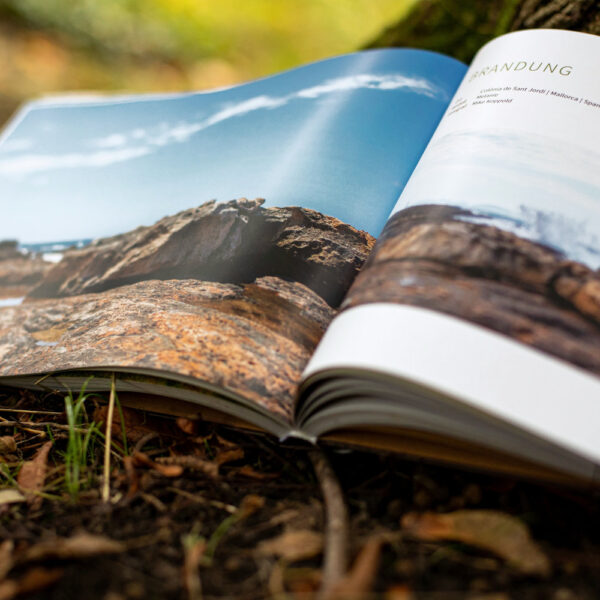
460,28
577,15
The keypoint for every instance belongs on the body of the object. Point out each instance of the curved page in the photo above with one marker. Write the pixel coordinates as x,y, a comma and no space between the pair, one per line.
494,245
206,235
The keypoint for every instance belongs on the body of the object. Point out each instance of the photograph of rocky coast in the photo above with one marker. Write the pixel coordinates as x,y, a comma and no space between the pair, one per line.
235,294
232,293
437,257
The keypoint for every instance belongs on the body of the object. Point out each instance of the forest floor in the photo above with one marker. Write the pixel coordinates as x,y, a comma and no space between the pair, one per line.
198,511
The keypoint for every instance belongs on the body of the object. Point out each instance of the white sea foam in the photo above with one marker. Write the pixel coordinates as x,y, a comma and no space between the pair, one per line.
11,301
52,257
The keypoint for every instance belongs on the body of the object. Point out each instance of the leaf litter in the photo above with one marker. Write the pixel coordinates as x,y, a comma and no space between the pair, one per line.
241,516
501,534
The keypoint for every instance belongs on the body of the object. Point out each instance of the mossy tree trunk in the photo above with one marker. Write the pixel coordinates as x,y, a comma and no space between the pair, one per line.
460,28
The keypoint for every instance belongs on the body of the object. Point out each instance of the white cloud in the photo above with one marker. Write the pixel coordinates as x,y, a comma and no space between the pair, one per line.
118,147
372,82
34,163
181,132
114,140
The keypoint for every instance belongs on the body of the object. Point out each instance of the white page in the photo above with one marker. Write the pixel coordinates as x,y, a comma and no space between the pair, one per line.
517,150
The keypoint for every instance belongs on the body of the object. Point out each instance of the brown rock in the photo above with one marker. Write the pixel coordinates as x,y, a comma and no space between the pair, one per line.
231,242
19,272
487,276
254,340
9,249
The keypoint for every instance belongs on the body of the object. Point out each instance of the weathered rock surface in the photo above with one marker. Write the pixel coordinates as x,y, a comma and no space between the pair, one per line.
252,339
19,273
231,242
488,276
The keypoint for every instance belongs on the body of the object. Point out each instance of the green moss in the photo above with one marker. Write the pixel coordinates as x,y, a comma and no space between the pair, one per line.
451,27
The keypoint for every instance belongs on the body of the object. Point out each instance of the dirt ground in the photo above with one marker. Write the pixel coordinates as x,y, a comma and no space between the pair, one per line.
200,511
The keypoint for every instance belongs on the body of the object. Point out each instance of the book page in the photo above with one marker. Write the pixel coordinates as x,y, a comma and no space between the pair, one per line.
494,245
206,235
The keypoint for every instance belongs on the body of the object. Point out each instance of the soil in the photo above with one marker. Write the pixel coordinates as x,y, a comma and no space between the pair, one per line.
161,519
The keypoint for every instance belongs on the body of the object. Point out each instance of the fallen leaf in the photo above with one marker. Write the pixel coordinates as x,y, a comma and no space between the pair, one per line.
358,582
302,582
248,471
224,442
8,589
399,592
191,462
187,425
249,505
227,456
36,579
32,475
141,459
499,533
10,496
81,545
293,545
8,445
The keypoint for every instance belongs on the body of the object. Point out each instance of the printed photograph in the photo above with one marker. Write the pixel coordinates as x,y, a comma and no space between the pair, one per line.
212,235
509,241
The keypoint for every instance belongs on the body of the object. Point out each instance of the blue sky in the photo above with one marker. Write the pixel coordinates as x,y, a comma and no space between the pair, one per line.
340,136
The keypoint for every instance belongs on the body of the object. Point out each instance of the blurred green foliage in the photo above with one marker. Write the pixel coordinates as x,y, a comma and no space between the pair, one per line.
137,45
261,34
165,45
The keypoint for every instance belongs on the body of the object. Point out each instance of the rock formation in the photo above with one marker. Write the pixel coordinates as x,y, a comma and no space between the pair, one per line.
428,258
231,242
19,273
253,339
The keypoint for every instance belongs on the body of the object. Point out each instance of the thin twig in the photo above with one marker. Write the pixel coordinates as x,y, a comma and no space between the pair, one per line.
335,561
107,441
25,424
30,412
202,500
143,441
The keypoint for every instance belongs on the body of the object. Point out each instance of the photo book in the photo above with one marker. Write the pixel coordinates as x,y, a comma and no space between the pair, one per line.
388,249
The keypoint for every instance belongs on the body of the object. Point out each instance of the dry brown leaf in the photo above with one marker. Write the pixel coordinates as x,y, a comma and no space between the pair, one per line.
224,442
227,456
32,475
248,471
399,592
142,460
10,496
8,445
81,545
497,532
358,582
302,583
36,579
191,462
187,425
293,545
249,505
8,589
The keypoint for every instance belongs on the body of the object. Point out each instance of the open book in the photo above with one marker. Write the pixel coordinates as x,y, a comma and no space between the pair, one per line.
386,249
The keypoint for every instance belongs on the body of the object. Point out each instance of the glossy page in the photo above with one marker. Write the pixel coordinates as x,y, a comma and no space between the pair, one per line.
209,235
